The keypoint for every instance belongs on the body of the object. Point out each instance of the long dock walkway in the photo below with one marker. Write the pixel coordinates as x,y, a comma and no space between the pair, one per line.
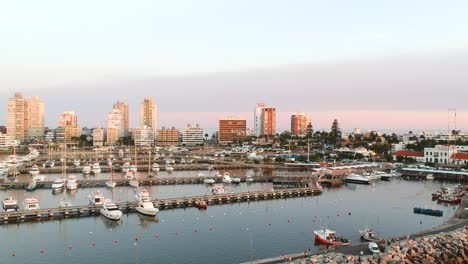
93,183
163,204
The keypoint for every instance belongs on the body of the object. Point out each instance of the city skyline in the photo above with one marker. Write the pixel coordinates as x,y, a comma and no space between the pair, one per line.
304,56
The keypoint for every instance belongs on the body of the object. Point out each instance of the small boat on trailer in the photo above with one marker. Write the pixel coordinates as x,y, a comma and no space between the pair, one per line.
328,238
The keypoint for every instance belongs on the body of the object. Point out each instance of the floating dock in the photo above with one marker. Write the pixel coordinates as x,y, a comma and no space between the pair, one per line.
163,204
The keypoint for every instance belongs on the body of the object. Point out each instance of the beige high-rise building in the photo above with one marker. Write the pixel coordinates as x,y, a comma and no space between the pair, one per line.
124,110
149,114
68,118
25,117
68,126
299,123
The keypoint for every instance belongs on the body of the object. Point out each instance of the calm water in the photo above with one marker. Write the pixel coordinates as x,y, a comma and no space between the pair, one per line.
223,234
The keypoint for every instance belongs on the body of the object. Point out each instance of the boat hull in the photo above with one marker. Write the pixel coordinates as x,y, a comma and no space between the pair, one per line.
148,212
356,181
322,241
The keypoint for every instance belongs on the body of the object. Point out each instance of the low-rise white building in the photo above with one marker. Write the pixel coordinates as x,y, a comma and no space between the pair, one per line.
439,154
192,135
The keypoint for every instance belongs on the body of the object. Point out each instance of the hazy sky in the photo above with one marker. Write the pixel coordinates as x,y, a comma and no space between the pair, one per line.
373,64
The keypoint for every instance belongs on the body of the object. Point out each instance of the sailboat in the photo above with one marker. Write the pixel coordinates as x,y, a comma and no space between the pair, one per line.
111,183
133,181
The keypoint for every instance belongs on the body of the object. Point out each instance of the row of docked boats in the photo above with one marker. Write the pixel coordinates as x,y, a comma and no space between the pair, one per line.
450,194
225,178
10,204
368,178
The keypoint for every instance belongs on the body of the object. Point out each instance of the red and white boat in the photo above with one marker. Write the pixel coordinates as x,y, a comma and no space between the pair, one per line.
449,199
218,189
201,205
328,237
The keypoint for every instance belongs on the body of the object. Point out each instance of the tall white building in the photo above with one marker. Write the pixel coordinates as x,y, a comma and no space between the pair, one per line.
258,119
149,114
192,135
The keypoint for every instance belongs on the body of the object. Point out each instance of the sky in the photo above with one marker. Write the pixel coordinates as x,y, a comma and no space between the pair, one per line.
371,64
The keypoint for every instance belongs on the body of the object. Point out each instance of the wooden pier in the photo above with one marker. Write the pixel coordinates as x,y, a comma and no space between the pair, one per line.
163,204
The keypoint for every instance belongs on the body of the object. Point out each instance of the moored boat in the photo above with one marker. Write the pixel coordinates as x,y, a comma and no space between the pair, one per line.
218,189
226,178
110,210
34,170
145,206
31,204
10,204
356,178
57,185
31,186
96,199
71,183
449,199
368,235
328,237
201,205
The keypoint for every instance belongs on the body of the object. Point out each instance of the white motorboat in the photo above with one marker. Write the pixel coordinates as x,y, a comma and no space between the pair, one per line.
183,161
201,175
145,206
209,181
57,185
356,178
126,167
10,204
226,178
34,170
249,179
31,204
49,164
76,162
96,168
96,199
111,184
86,169
169,168
155,167
31,186
133,168
430,177
235,180
218,189
110,210
39,178
71,183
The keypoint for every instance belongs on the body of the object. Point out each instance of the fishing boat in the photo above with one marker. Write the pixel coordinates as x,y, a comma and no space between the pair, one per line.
449,199
57,185
356,178
201,205
34,170
96,199
71,183
10,204
145,206
110,210
31,186
226,178
31,204
368,235
328,237
218,189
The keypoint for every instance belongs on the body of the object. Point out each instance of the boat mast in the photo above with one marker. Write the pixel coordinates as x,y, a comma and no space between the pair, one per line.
149,162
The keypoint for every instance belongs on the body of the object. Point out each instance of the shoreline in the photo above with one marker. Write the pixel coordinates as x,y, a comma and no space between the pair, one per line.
458,221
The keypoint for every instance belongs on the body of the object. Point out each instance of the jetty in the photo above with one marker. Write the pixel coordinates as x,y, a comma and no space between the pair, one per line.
163,204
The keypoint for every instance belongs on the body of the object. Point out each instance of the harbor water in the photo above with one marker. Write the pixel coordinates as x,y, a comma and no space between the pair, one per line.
229,233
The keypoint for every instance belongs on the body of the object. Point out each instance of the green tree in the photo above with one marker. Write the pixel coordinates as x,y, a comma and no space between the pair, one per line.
335,134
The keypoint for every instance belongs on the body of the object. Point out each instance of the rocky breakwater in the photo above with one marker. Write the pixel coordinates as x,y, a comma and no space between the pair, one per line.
451,247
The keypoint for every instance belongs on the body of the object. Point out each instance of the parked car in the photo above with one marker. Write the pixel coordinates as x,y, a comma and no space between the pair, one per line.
374,248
